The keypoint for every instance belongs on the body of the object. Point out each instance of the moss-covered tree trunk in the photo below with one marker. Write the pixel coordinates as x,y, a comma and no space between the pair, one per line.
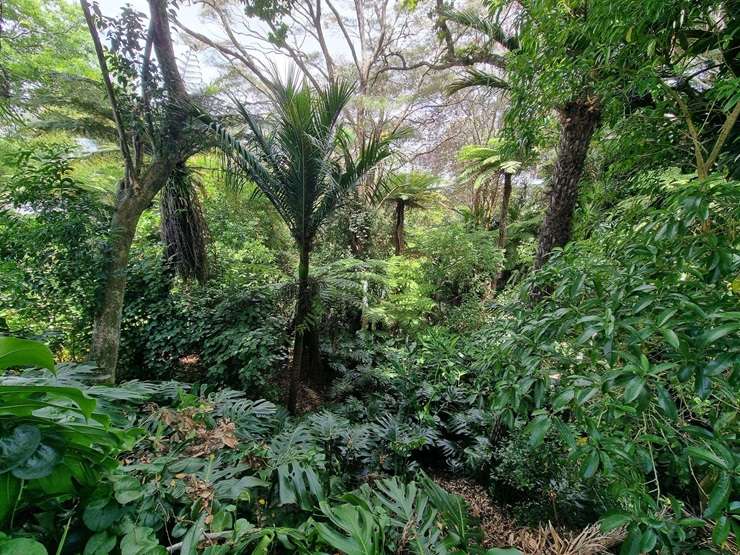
579,119
144,178
107,323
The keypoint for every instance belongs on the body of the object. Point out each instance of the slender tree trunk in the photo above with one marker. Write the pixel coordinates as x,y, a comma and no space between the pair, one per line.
107,324
398,237
504,211
579,119
303,305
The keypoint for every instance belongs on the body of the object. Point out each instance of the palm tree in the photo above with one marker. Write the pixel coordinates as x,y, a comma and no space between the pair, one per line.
407,191
304,164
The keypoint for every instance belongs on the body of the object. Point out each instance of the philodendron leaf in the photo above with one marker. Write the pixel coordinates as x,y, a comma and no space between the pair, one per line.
16,352
39,465
17,446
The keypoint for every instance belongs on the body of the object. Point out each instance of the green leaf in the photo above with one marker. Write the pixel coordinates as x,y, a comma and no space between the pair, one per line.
141,541
712,335
666,403
692,522
671,337
100,514
85,403
648,541
719,496
39,465
614,520
193,536
538,429
591,464
706,455
16,352
633,388
721,531
21,546
562,400
101,543
10,487
631,545
127,489
18,446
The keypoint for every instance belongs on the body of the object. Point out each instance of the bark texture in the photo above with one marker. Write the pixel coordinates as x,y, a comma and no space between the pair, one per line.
142,181
579,119
306,363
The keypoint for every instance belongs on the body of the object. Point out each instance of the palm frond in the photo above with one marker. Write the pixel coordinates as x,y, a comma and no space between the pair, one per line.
476,78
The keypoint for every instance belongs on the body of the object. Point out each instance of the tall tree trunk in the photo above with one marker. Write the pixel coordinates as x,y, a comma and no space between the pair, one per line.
398,237
140,184
504,211
579,119
303,305
107,324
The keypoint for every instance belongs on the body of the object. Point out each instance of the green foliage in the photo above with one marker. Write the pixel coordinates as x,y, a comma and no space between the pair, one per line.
459,263
632,359
55,444
50,229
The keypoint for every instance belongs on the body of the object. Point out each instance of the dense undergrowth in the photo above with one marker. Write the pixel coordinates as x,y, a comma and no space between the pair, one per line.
601,387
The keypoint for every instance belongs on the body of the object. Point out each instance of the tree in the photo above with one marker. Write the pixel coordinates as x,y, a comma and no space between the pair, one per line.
304,164
408,191
152,146
485,164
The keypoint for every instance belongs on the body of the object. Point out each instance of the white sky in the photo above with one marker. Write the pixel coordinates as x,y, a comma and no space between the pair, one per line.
188,15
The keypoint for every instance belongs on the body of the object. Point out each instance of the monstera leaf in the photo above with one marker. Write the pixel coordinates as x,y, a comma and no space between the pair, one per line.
355,530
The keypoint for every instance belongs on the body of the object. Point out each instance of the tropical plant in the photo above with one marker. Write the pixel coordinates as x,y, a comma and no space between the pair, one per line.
304,164
408,191
55,444
485,164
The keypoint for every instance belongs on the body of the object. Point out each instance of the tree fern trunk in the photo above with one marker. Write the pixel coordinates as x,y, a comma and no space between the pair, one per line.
398,228
504,211
579,119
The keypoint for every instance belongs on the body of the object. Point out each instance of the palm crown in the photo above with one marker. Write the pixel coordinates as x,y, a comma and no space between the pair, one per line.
303,162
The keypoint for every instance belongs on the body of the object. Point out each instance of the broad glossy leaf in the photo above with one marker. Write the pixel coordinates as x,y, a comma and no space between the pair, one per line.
141,541
633,388
16,352
100,514
712,335
538,429
39,465
127,489
614,520
18,445
591,464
